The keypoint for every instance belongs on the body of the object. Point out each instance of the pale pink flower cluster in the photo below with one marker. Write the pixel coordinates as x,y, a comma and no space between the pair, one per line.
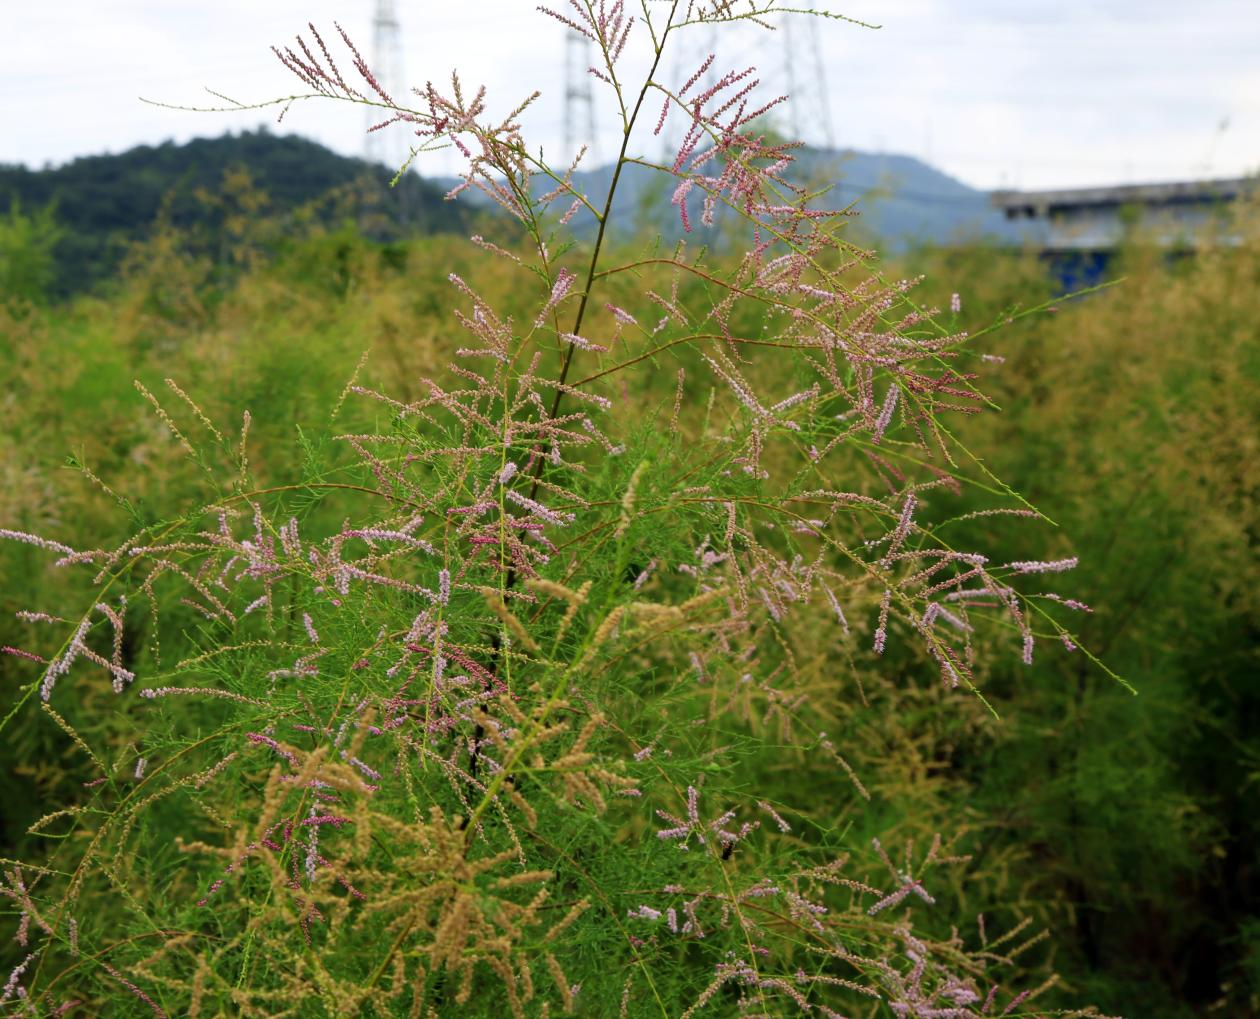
693,826
559,290
34,539
1053,566
536,508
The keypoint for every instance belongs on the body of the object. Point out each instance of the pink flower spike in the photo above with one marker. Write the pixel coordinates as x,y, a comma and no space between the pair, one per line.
881,633
660,121
562,286
621,315
581,342
34,539
539,510
885,414
1054,566
39,617
783,825
12,984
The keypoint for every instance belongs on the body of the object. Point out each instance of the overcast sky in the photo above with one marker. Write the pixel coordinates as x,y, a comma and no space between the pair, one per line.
999,93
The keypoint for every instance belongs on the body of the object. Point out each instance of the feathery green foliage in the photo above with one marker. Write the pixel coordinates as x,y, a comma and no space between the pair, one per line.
455,694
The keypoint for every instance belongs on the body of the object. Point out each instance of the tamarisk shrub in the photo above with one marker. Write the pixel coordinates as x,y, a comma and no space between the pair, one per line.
497,719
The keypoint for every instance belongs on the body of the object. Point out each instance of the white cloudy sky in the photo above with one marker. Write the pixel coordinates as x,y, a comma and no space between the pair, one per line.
1022,93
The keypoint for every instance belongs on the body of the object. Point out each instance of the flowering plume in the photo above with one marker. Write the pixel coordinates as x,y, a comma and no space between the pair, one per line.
440,694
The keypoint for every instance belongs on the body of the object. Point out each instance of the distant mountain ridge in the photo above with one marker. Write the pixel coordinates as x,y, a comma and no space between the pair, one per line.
105,202
897,201
904,200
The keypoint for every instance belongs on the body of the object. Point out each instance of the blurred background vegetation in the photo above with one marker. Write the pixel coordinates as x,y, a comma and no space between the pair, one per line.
257,276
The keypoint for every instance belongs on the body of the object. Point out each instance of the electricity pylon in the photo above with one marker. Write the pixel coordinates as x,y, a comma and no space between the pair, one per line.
389,145
579,98
690,52
800,72
805,80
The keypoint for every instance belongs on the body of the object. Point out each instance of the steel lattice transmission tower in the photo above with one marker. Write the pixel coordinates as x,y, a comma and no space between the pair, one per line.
388,146
579,98
805,79
801,72
690,52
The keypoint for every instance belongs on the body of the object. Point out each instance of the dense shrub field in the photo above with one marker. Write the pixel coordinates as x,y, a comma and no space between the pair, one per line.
535,626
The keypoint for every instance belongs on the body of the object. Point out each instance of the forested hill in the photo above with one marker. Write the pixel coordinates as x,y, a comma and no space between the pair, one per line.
100,203
217,192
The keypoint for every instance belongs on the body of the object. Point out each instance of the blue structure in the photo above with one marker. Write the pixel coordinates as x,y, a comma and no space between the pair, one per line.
1080,229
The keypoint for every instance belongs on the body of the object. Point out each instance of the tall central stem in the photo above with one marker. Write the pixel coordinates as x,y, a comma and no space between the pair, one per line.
599,236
